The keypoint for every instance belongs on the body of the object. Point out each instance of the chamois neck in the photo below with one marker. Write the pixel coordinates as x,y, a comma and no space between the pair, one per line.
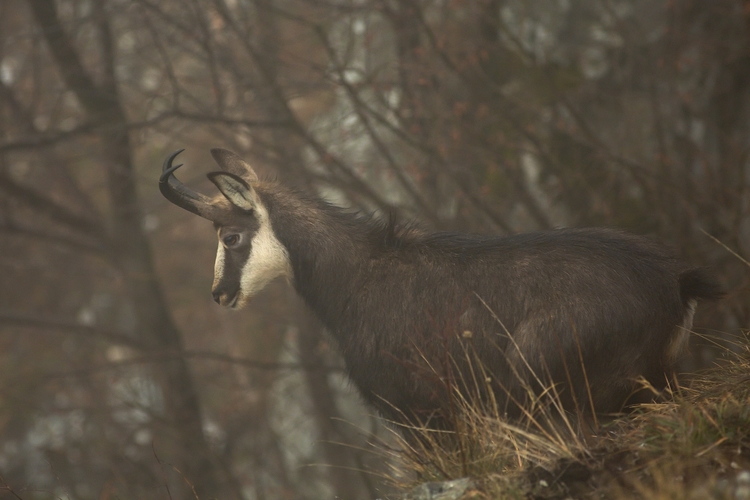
327,248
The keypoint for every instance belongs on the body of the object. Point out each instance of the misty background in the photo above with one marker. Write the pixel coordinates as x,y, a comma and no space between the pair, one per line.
121,378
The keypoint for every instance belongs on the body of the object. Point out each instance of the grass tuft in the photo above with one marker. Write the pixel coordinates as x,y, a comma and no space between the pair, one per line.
693,445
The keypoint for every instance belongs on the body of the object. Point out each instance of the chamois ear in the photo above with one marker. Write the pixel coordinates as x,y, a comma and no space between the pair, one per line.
235,189
230,162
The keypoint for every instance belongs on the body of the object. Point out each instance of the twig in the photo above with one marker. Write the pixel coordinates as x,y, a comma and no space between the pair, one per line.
8,488
716,240
163,474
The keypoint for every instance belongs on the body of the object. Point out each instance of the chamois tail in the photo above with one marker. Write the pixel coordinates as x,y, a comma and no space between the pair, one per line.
697,283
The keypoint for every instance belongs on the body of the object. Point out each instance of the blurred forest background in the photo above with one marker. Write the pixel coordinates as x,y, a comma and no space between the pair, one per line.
119,376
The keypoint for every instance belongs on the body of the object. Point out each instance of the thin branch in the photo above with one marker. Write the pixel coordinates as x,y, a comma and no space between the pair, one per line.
207,44
18,111
51,208
8,488
258,365
67,326
407,183
36,141
166,61
294,125
96,248
49,139
160,358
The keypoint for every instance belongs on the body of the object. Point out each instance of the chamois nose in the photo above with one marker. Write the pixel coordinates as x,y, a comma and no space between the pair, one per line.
225,296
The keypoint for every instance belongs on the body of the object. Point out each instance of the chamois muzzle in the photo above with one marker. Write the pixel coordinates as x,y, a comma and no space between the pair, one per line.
182,196
225,297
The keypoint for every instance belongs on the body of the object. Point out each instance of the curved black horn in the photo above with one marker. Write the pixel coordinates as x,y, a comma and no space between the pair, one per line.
179,194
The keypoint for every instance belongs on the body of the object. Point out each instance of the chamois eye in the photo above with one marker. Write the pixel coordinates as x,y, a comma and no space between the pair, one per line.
231,240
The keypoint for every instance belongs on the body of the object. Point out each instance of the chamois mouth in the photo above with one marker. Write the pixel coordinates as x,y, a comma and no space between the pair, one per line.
239,301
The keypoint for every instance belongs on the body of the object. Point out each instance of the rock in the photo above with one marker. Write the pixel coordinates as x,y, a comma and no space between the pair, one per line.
446,490
742,491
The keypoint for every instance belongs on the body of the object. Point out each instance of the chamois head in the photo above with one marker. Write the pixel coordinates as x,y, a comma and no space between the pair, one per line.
249,255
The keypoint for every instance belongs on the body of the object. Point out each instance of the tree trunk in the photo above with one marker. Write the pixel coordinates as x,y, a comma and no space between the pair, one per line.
346,480
156,328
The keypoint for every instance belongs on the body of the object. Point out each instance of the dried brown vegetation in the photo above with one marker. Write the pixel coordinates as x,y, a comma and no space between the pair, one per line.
694,445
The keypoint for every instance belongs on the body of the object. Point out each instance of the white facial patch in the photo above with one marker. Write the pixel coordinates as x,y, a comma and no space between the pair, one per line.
268,259
219,264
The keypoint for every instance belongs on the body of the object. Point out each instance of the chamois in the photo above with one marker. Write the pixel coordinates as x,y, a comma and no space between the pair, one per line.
419,315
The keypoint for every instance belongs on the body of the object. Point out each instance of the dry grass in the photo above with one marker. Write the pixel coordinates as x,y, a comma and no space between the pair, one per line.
694,446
